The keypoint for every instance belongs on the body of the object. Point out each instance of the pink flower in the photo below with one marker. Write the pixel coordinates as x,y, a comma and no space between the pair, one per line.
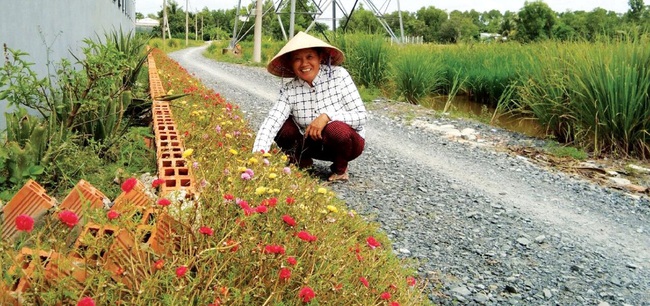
24,223
364,281
410,280
180,271
373,243
288,220
129,184
394,304
245,176
290,200
274,249
385,296
164,202
228,197
285,274
261,209
286,170
304,235
292,260
86,301
271,202
306,294
68,218
206,231
112,215
157,182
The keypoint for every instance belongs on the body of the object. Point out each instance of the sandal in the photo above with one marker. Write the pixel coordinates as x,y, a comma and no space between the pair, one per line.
339,177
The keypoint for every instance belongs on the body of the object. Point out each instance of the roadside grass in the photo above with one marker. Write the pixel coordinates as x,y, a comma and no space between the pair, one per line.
245,197
173,44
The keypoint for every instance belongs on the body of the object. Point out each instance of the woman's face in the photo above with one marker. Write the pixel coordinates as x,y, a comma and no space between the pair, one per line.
305,64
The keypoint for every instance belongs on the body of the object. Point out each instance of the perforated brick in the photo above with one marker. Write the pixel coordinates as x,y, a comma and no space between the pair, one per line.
30,200
82,197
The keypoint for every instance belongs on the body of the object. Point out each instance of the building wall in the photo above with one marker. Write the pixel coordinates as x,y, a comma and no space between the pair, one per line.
53,29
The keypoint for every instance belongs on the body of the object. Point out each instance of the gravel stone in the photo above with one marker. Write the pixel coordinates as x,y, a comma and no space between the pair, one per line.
467,211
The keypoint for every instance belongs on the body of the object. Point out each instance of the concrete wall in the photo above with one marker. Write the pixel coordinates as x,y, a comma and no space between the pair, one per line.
52,29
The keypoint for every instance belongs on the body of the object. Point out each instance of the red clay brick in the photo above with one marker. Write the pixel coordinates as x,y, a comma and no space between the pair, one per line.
82,197
125,260
30,200
137,198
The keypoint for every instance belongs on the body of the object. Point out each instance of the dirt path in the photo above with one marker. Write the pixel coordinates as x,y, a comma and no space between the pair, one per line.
510,197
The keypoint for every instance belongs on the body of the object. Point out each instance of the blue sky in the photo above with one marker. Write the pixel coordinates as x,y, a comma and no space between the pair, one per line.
620,6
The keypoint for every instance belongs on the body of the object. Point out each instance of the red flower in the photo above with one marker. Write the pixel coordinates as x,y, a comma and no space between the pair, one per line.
157,182
272,202
306,236
285,274
112,214
86,301
364,281
24,223
288,220
234,246
68,218
180,271
385,296
206,231
410,280
261,209
306,294
159,264
164,202
129,184
274,249
228,197
394,304
292,260
373,243
290,200
119,271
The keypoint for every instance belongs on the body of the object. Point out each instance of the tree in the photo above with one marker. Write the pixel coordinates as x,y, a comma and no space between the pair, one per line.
636,11
536,20
458,29
433,19
139,15
362,21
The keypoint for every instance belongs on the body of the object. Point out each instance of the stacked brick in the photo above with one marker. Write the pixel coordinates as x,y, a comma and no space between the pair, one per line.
127,255
172,167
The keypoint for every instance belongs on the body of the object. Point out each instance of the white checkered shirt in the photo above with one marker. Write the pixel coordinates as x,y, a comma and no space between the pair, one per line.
334,94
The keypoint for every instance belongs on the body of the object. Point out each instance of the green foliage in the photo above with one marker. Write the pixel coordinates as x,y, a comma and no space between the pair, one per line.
595,95
558,150
536,21
367,59
417,74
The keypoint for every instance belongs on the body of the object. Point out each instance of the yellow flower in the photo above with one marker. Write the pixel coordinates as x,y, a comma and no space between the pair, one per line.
183,102
275,190
241,169
266,154
332,208
284,158
253,160
170,92
272,175
188,153
322,190
260,190
233,152
228,135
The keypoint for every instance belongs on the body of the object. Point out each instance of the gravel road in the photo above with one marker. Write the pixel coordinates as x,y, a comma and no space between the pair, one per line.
483,227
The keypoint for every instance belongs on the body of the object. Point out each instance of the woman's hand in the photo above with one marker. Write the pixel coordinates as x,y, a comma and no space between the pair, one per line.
315,128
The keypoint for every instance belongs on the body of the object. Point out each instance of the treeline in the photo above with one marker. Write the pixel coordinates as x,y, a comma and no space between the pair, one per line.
535,21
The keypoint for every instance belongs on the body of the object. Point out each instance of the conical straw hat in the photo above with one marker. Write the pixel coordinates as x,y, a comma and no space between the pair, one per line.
278,66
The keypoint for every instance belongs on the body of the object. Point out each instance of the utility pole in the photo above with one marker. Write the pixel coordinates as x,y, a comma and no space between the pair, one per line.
334,16
187,20
292,19
257,46
196,26
164,21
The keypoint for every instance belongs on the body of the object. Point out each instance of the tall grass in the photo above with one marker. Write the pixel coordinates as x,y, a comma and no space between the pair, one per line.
417,74
595,95
367,59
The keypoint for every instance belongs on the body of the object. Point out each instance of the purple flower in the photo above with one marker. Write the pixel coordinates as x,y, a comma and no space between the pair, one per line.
266,162
250,172
218,129
245,176
287,170
195,165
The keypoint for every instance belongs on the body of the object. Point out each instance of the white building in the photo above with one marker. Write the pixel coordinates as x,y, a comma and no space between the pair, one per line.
52,30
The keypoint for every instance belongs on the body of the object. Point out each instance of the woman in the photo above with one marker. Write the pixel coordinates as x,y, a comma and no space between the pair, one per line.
319,114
